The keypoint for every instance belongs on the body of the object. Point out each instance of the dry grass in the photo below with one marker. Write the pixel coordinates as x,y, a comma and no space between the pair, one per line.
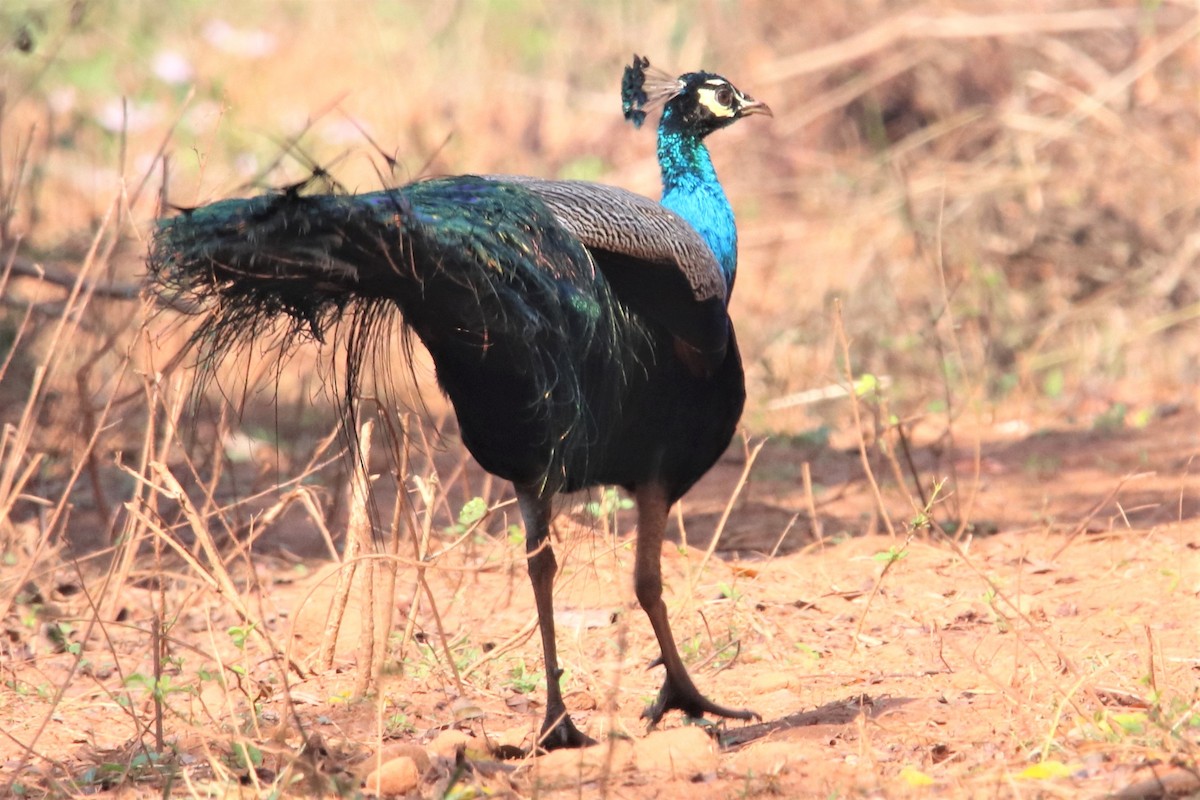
1003,205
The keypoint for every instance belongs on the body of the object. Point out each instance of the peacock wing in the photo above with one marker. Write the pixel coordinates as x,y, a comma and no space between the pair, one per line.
656,262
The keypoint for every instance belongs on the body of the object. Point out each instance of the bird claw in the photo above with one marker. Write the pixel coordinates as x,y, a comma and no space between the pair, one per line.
559,732
693,704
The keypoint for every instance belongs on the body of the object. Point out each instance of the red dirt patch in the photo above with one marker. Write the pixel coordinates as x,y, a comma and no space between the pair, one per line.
1057,654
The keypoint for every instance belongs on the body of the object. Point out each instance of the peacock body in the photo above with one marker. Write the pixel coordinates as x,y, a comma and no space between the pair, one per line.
579,330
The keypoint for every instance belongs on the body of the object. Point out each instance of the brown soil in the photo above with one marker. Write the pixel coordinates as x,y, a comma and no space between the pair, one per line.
1053,651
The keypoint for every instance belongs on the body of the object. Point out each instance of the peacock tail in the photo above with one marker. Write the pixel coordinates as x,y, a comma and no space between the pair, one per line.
495,276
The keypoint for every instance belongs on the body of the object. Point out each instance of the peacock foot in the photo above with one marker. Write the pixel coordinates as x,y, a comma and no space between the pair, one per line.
684,696
558,731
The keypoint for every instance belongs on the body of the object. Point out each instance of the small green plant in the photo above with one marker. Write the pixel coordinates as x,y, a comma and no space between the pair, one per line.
891,555
1053,383
239,634
398,725
522,680
811,652
816,438
245,756
160,688
204,674
866,385
727,648
1175,719
1002,623
1112,419
1043,464
424,664
24,689
472,512
923,520
466,654
605,509
60,634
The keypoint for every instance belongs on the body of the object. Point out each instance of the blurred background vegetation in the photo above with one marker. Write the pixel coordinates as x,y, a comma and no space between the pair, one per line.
1004,202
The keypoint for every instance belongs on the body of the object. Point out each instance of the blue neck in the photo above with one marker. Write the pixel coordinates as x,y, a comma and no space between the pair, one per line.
691,190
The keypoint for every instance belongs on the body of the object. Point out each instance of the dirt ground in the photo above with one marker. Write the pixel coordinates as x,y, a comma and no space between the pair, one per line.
1053,651
998,198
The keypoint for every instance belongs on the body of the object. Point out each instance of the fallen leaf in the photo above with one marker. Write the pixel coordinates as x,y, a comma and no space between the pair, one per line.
1045,770
914,777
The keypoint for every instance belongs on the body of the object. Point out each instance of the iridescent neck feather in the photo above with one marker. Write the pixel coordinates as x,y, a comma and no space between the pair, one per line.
691,190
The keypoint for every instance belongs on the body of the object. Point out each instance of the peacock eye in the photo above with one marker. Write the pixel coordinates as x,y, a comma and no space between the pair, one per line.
725,95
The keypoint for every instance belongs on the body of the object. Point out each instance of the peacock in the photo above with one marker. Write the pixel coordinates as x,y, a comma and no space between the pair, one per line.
580,331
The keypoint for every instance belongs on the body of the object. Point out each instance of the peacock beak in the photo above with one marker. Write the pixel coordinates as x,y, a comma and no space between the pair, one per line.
751,106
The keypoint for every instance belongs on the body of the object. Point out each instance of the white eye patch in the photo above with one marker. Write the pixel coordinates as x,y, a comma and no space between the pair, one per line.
718,97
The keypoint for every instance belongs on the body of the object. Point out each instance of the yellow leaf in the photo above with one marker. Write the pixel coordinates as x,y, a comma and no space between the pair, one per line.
914,777
1046,769
1134,722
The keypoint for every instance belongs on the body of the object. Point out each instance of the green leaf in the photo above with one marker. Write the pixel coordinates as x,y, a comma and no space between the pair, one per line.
890,555
865,384
472,511
1053,383
246,755
239,634
1130,722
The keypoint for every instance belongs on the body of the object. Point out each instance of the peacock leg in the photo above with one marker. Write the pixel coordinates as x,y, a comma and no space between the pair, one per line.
557,729
677,691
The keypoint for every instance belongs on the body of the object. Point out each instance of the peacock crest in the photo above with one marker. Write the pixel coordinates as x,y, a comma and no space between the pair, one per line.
644,89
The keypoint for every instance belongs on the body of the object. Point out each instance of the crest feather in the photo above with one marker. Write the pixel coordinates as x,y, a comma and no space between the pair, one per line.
644,88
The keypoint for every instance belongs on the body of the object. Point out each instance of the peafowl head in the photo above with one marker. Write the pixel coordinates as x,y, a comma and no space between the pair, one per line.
695,103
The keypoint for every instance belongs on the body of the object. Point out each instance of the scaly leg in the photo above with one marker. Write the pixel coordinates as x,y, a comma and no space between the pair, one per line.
678,691
557,729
